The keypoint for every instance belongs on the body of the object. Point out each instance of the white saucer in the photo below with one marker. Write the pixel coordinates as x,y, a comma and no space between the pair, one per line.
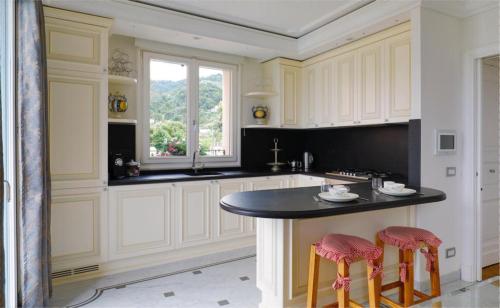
404,192
334,198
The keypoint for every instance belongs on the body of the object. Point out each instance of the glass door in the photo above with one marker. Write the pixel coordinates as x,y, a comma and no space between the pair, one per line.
7,80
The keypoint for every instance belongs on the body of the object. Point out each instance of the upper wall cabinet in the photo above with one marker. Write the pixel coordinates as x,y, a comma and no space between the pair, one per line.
76,128
369,83
365,82
285,76
76,41
398,85
77,85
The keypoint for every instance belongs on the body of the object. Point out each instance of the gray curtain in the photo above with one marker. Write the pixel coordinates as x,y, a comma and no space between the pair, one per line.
32,157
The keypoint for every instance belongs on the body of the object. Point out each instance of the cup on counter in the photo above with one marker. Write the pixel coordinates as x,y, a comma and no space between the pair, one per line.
325,187
376,182
393,186
339,190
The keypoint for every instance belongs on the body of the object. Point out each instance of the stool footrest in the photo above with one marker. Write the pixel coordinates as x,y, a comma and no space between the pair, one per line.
352,304
423,297
392,285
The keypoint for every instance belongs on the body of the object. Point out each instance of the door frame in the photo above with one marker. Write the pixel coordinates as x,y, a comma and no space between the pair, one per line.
471,269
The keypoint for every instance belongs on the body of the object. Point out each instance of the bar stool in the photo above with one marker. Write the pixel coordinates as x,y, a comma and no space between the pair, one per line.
408,240
345,249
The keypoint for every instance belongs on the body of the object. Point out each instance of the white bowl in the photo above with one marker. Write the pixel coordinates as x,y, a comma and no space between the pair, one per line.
338,190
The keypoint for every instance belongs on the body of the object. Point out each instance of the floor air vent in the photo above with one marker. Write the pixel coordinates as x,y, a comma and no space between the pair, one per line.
75,271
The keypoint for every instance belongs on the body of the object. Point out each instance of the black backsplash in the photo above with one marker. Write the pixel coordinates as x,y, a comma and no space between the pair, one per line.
121,139
382,148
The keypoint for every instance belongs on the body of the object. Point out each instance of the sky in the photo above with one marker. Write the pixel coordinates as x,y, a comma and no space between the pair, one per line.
161,70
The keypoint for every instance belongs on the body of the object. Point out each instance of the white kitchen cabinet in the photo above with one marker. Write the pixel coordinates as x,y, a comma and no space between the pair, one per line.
268,182
77,129
398,85
344,89
77,233
310,95
285,78
141,220
77,60
325,103
369,83
76,41
308,181
193,213
227,225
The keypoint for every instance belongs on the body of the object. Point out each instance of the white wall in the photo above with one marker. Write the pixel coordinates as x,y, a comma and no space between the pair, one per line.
440,70
442,48
480,39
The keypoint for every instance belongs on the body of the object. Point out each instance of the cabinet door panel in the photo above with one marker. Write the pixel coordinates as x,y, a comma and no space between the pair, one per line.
76,229
75,127
194,213
399,76
268,183
345,89
290,94
228,224
310,96
325,102
370,83
140,221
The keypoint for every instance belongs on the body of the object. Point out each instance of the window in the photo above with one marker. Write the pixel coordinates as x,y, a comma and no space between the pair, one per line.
190,105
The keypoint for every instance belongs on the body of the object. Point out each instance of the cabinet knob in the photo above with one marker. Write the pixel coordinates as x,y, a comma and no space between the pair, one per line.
315,125
105,189
386,120
331,124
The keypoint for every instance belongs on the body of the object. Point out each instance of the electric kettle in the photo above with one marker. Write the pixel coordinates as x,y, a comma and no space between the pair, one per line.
308,160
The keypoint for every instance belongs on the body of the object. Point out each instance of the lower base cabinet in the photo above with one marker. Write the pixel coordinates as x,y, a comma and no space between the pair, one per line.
93,227
78,219
141,220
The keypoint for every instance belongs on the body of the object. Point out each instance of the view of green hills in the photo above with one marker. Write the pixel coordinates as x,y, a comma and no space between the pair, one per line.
168,116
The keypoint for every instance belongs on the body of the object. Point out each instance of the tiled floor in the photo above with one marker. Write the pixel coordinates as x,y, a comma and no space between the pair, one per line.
228,284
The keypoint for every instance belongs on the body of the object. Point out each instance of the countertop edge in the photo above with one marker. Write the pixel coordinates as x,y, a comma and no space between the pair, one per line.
333,211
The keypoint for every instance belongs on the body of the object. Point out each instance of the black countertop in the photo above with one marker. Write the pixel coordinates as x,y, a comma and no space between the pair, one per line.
181,176
299,203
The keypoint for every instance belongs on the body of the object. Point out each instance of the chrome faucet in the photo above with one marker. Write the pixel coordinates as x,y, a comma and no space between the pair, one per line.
194,165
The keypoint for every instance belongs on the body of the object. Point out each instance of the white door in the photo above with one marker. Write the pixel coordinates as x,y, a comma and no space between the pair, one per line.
325,108
489,171
77,220
290,77
310,95
398,77
77,129
369,83
344,90
141,220
194,215
228,225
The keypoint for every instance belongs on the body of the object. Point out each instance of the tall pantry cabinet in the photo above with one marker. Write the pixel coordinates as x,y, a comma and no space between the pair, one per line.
77,55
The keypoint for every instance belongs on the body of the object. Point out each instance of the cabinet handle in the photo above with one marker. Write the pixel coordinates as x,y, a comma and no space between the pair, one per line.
315,125
386,120
331,124
173,184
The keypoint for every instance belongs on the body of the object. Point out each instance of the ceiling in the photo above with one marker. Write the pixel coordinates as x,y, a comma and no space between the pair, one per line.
261,29
292,18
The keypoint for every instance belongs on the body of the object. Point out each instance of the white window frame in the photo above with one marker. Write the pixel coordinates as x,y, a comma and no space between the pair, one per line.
176,162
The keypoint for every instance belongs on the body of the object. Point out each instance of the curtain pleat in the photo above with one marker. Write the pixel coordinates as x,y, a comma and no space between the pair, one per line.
32,157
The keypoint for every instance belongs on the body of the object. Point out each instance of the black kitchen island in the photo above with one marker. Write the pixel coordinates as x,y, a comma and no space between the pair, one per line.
299,202
290,220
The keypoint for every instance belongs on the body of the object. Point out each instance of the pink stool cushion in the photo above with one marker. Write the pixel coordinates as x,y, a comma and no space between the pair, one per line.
349,248
408,237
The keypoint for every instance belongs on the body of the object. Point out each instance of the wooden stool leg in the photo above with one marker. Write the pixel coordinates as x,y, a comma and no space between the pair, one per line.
312,284
401,287
374,287
408,284
435,280
342,293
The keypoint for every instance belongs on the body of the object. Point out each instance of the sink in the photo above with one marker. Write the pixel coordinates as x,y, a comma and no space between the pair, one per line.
203,173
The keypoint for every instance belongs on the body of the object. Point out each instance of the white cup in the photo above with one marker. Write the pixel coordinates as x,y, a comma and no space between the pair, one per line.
339,190
392,186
